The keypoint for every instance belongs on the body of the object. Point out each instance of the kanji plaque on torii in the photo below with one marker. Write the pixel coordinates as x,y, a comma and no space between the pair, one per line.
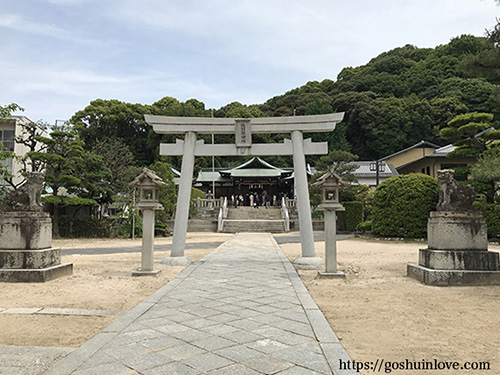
243,130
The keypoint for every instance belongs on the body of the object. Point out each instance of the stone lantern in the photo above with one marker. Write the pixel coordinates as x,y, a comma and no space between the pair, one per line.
149,185
330,184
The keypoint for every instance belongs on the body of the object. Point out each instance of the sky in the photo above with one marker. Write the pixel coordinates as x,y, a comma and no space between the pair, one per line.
58,55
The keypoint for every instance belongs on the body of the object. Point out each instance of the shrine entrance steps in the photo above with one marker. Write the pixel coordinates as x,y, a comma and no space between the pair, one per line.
249,219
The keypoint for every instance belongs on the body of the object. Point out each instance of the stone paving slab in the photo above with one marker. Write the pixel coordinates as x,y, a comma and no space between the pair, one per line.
240,310
21,310
58,311
28,360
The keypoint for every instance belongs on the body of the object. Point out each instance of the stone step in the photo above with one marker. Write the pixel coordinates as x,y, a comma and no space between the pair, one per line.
249,213
236,226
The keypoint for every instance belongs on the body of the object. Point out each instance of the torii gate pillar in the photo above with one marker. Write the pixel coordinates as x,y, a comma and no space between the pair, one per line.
308,258
177,257
243,129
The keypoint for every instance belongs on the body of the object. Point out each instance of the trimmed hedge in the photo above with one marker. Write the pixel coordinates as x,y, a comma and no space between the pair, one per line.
401,205
491,213
365,226
353,215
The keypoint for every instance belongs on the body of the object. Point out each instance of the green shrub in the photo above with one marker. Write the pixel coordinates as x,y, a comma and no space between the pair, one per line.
483,190
161,228
195,194
317,214
125,227
365,226
491,213
74,228
353,215
401,205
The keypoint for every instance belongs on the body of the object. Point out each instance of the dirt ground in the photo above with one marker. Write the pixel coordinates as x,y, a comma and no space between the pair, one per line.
379,313
376,311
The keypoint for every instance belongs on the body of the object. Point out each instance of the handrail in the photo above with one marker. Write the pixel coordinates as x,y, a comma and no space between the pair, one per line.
222,215
225,208
284,214
290,202
220,221
208,202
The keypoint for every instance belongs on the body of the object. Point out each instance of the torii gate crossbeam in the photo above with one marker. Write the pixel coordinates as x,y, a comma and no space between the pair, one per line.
243,129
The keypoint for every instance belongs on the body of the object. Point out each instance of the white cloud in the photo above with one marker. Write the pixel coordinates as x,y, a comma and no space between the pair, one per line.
24,25
310,37
18,23
66,2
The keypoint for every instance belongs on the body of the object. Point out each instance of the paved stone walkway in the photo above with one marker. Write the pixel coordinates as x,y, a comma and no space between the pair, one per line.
241,310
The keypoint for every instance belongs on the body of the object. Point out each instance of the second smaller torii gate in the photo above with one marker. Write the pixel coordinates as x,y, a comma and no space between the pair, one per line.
243,130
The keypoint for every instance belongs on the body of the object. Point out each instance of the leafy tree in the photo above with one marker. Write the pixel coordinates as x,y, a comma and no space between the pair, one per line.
487,169
29,139
112,119
5,174
238,110
95,178
66,164
6,110
118,158
470,133
168,194
486,63
339,162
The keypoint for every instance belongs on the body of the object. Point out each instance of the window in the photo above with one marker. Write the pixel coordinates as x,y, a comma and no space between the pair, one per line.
7,138
9,165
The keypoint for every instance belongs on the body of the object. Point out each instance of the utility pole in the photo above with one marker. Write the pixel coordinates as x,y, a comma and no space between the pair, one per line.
213,161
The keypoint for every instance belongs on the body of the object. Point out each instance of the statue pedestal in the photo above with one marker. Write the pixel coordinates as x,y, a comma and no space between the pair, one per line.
26,254
449,230
457,252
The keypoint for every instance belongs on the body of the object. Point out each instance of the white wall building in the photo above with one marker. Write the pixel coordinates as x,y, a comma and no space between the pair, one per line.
10,129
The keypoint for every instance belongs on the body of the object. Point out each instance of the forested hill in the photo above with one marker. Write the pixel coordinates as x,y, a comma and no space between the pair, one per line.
399,98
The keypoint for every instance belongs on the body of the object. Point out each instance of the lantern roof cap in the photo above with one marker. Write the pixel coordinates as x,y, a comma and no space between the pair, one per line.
147,176
328,178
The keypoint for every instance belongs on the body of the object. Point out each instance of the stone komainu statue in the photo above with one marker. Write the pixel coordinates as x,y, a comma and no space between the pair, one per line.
27,197
454,196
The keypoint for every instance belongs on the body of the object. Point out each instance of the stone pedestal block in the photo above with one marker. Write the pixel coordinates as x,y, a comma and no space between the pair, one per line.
459,260
433,277
25,230
26,254
457,252
36,275
34,259
448,230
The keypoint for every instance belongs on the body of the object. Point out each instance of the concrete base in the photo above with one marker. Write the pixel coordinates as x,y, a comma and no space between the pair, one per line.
176,261
309,263
331,275
145,273
472,260
36,275
29,259
447,230
452,277
25,230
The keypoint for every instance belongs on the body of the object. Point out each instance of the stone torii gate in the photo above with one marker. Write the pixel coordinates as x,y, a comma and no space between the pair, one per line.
243,130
